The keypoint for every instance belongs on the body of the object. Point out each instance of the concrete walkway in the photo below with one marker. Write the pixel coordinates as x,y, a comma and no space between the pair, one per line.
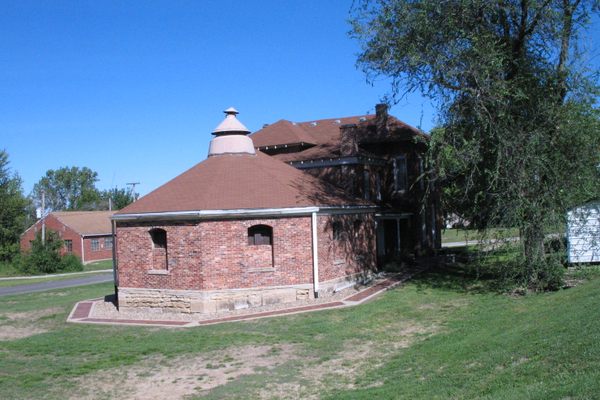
82,311
66,283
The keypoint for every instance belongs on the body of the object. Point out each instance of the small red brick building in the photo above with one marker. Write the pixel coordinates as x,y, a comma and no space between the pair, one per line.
240,229
86,234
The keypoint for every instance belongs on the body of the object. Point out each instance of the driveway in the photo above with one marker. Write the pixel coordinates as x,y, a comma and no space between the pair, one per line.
43,286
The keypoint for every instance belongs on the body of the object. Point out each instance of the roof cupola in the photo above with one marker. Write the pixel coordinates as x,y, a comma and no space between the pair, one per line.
231,136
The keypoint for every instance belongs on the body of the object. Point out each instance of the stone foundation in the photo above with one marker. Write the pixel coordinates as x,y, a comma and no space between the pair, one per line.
219,301
206,302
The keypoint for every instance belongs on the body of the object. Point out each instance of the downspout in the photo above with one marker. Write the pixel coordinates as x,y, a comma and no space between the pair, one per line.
315,255
114,257
82,251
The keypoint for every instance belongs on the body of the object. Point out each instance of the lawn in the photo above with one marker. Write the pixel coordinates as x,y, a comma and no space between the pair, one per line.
460,235
6,271
440,336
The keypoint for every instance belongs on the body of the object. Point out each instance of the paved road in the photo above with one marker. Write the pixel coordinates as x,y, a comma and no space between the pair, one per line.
66,283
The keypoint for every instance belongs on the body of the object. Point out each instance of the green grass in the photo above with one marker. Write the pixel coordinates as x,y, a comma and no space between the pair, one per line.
98,265
460,235
10,272
477,345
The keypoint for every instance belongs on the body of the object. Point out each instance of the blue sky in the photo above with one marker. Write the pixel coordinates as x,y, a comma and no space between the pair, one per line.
132,90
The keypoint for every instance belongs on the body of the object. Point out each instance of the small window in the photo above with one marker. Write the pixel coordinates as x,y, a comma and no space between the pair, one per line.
336,227
260,235
159,238
366,184
108,243
69,246
95,244
400,173
159,249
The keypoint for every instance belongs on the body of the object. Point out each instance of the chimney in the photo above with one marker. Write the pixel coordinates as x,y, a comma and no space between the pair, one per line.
349,142
381,118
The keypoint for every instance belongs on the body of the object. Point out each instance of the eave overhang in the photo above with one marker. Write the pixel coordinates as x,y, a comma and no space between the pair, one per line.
241,213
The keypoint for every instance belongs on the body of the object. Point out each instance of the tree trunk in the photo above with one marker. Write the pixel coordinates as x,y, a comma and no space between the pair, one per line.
532,237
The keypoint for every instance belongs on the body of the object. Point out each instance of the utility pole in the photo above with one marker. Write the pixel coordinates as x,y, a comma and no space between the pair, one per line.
133,184
43,217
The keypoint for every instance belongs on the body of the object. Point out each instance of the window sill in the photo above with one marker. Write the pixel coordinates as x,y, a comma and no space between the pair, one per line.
158,272
262,269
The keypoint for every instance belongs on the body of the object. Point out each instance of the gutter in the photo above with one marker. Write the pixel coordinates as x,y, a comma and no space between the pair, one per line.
256,212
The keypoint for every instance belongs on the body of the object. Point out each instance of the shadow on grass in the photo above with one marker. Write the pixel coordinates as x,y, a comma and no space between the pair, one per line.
467,272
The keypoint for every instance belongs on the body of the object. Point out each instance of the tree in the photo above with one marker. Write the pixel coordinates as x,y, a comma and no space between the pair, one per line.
520,138
68,189
12,210
120,197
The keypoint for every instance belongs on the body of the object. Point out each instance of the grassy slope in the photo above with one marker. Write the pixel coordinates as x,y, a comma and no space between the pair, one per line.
487,345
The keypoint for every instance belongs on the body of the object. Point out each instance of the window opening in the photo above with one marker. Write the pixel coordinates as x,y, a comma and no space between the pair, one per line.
260,235
400,173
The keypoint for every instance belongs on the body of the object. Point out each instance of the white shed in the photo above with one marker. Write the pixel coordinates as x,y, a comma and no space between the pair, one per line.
583,233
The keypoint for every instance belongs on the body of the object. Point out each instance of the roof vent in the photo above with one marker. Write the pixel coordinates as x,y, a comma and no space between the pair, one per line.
313,123
231,125
338,121
231,137
362,119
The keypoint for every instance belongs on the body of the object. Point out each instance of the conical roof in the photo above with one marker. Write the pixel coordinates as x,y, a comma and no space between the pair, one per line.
231,125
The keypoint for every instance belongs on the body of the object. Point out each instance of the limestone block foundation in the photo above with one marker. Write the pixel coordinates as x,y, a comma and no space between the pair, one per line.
219,301
207,302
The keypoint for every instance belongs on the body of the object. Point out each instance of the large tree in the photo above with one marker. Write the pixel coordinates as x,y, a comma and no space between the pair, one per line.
12,210
120,198
520,138
68,188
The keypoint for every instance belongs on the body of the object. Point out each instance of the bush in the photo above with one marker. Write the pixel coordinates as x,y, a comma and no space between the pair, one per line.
45,257
70,263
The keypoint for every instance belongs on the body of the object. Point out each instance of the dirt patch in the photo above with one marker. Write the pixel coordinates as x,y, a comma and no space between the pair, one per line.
18,325
341,371
31,315
160,378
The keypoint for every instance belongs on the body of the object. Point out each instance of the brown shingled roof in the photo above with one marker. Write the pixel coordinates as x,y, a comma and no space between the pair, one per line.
240,181
313,132
86,222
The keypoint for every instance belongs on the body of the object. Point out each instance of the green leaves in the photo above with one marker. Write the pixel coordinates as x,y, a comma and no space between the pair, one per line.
520,139
12,210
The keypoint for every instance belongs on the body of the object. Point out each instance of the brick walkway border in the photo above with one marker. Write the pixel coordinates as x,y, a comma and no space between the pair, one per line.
83,309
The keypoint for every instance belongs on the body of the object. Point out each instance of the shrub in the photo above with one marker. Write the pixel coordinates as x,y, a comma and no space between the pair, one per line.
45,257
70,263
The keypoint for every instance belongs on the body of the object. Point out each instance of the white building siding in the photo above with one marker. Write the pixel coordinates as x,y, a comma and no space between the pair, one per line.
583,233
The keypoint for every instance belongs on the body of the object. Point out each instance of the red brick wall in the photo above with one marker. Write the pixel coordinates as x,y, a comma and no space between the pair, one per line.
64,232
103,253
215,255
212,255
352,252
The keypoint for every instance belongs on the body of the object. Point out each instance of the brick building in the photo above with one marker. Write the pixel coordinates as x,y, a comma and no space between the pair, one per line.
375,157
86,234
238,230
